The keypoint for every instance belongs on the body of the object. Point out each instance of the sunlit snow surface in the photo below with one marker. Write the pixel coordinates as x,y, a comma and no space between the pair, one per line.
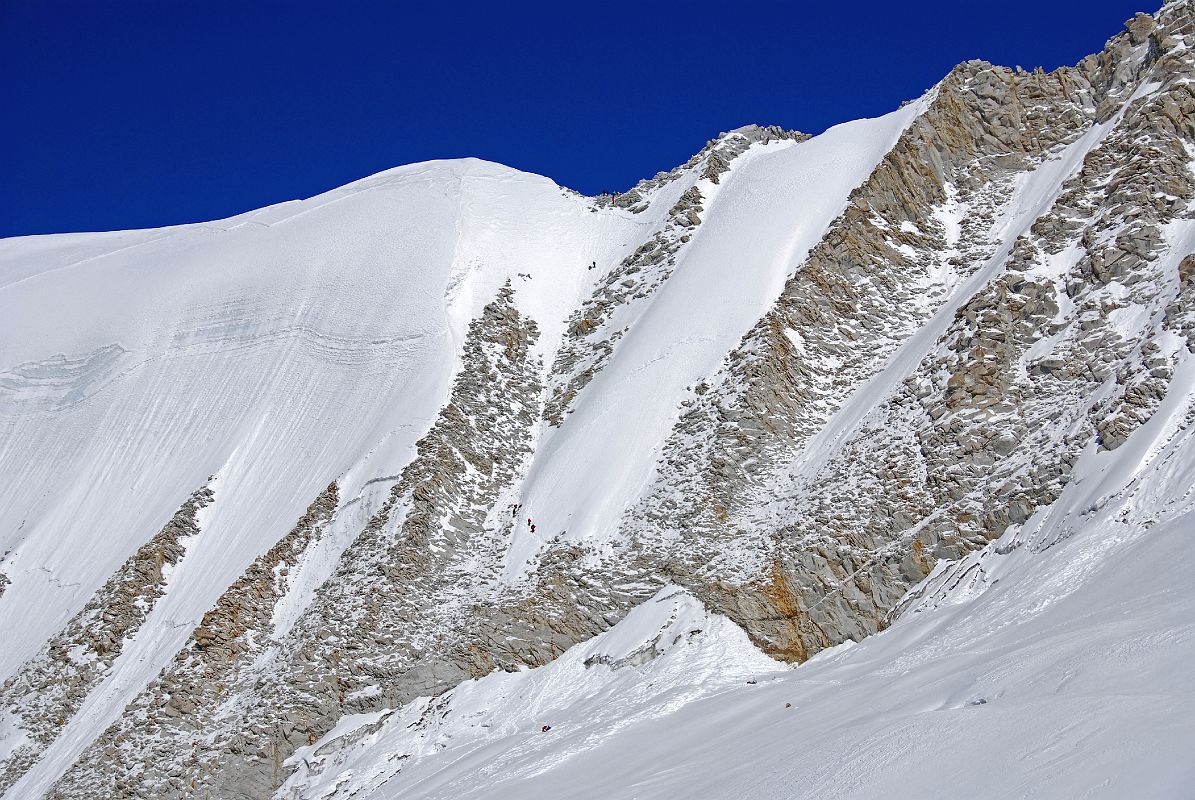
317,340
766,215
1054,663
276,351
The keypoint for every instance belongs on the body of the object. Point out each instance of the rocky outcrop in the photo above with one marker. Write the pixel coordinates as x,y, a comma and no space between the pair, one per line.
710,163
138,756
596,326
1009,287
395,621
51,687
586,350
957,454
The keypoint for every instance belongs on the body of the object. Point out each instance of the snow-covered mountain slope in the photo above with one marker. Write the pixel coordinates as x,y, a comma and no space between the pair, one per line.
666,654
1052,663
274,484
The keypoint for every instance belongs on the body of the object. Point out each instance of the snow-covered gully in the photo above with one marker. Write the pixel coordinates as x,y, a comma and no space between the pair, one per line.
843,465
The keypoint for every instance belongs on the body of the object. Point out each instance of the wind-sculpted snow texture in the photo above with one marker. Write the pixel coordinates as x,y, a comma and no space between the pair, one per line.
477,454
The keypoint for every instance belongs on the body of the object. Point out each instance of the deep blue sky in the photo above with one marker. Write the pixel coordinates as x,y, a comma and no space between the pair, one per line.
119,114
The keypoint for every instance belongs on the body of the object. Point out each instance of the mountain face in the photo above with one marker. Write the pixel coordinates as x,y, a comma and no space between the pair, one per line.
352,496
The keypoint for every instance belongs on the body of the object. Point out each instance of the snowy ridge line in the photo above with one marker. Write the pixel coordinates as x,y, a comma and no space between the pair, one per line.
878,353
397,445
911,352
923,529
620,420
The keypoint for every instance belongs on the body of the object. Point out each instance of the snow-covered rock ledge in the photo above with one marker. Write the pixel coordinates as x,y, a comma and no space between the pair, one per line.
486,733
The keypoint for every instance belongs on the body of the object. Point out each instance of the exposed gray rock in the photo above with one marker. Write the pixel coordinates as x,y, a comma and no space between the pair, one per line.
192,699
1064,341
51,686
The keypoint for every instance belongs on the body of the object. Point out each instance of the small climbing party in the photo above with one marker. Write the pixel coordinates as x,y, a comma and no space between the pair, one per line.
514,512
